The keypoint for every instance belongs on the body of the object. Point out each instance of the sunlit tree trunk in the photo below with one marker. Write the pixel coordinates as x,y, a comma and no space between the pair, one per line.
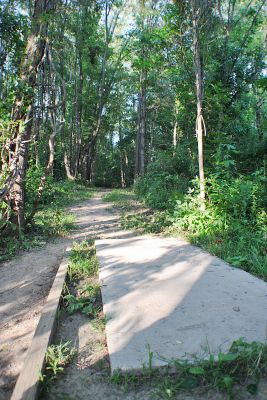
197,10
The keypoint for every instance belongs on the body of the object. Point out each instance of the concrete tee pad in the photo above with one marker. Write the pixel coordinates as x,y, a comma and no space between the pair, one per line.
174,299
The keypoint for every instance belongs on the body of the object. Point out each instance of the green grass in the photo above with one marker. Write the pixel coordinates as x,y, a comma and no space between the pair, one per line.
57,357
146,222
122,198
81,294
83,261
83,265
243,365
240,246
50,221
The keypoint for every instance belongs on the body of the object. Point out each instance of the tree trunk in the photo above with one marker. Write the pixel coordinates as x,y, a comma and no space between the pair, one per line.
122,160
35,51
141,129
196,4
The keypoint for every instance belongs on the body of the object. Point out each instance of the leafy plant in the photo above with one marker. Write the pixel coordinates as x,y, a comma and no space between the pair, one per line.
59,356
51,220
83,261
244,364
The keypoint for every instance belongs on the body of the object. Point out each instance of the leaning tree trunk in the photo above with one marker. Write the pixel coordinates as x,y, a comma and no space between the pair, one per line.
196,5
35,51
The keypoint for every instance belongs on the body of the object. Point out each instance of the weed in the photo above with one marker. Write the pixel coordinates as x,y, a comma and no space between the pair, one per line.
91,290
150,358
99,323
233,226
146,222
83,261
83,264
52,222
244,364
84,304
57,358
125,379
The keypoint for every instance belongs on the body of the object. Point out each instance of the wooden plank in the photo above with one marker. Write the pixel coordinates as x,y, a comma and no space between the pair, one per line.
27,385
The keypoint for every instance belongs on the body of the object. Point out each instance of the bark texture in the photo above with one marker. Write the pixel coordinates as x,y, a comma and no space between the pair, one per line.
23,110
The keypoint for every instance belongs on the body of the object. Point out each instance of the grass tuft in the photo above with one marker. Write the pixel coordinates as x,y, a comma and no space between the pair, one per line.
83,261
242,366
57,357
122,198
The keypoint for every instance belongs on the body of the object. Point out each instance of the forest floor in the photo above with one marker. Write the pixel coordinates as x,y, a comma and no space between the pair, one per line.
25,283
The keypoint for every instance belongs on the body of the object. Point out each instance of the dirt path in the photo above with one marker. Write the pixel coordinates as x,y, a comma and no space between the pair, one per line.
26,281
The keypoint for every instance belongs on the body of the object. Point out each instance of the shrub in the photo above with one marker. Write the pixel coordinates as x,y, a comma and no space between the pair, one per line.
163,183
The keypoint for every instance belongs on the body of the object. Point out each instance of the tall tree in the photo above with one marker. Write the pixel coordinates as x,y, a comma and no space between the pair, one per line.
22,116
199,11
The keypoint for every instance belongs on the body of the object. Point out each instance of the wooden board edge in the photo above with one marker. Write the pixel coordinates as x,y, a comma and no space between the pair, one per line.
27,385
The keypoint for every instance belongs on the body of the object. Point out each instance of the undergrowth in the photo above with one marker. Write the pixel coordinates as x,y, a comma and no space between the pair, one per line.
83,267
51,220
122,198
83,260
243,365
57,357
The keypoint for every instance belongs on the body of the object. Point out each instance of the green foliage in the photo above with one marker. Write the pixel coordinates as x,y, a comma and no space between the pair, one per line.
84,303
146,222
83,261
58,193
122,198
164,181
51,220
244,364
33,178
234,224
57,357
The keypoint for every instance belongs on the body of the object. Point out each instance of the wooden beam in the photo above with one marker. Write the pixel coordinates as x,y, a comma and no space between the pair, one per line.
27,386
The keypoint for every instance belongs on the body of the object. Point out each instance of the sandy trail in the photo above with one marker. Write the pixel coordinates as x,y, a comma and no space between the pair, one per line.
26,281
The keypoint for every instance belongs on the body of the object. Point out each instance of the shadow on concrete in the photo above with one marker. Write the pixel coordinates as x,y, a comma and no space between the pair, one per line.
175,299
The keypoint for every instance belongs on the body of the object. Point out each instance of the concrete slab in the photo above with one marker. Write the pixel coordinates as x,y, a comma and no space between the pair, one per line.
175,299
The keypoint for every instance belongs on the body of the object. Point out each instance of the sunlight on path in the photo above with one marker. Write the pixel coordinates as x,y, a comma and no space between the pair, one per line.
177,300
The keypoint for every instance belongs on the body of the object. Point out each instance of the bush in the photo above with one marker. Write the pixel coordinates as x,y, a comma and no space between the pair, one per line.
234,224
33,178
163,182
55,192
